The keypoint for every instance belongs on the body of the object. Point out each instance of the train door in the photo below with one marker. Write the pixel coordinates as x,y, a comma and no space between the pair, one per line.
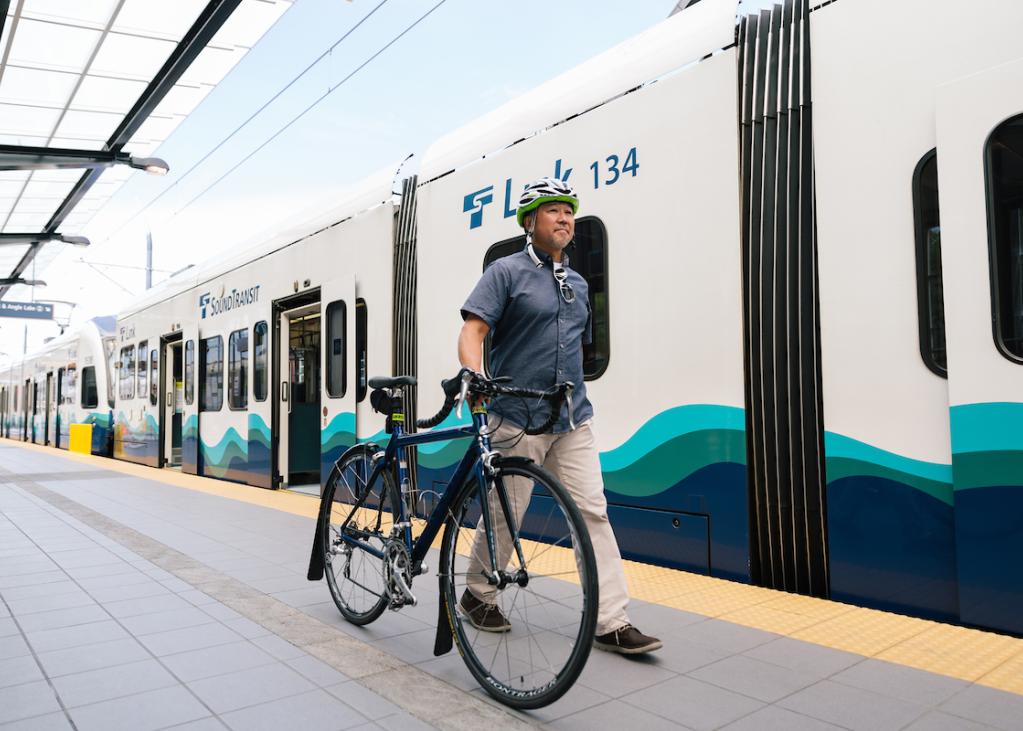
26,413
340,372
190,405
980,169
50,414
37,410
58,401
172,400
260,412
296,447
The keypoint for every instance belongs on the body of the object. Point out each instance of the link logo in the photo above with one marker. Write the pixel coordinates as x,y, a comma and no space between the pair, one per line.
475,202
213,306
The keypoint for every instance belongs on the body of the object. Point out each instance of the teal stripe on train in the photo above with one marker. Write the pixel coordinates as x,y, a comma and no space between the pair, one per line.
987,444
848,457
666,449
674,445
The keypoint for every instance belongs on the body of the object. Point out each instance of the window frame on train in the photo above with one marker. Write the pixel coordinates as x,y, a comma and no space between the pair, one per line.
89,388
69,385
337,357
212,374
260,361
1004,291
929,280
189,372
238,370
142,374
600,307
154,376
361,349
126,374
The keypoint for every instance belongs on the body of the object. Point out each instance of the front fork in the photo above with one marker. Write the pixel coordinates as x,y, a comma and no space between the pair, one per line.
485,473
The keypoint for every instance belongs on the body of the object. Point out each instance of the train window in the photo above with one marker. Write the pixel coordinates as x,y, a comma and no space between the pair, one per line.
189,372
930,296
237,369
211,390
588,256
260,346
90,393
337,369
126,377
70,384
361,353
1005,229
143,363
154,376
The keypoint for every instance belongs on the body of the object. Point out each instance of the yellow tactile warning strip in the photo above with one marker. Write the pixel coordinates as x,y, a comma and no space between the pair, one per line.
985,658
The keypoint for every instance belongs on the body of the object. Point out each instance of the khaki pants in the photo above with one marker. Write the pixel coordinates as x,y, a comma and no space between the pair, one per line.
572,457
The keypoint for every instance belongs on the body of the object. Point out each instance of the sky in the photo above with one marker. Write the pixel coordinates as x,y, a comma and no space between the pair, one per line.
463,60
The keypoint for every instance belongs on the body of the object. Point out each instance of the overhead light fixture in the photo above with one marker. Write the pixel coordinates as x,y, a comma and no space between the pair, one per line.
22,157
152,165
33,238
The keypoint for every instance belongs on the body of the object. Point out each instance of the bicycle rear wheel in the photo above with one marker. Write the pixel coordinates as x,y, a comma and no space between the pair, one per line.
551,609
355,576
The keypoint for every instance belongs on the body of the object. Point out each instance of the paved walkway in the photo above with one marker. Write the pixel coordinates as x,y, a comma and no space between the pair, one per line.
128,603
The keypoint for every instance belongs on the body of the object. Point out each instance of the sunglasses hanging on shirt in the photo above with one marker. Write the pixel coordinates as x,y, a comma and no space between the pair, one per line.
560,275
567,293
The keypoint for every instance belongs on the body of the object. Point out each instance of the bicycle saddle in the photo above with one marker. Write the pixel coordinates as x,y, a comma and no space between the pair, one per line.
392,382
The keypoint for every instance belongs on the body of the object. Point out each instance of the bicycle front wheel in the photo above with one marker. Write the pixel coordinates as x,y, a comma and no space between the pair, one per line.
355,575
525,642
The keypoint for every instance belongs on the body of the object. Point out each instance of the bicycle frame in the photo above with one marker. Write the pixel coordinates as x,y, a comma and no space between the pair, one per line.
395,454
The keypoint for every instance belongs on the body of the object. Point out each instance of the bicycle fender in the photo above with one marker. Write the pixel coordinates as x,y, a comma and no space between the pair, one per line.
316,566
443,642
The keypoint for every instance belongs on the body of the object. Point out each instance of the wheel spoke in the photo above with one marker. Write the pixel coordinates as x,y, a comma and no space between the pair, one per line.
356,510
551,618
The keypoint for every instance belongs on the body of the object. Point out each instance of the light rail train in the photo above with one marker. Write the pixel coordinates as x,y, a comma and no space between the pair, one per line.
803,237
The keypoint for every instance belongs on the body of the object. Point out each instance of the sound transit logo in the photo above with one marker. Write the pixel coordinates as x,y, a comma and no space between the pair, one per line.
213,306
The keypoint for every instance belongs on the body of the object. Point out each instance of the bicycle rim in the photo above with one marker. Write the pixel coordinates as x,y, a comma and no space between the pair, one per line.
552,616
355,576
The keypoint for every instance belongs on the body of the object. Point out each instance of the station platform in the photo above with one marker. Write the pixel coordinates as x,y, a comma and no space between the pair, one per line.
136,599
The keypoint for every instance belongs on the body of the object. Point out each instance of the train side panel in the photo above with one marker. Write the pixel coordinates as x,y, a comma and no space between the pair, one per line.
891,510
980,144
656,173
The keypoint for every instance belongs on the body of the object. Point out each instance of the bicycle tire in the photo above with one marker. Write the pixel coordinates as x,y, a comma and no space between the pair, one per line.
539,630
361,598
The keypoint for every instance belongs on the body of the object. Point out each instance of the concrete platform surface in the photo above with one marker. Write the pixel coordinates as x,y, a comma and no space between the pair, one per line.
140,599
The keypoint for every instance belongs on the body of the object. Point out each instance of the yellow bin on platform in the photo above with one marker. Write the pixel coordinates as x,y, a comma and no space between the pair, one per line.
81,438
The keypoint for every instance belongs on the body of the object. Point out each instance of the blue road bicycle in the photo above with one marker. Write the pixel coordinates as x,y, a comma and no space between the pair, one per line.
517,577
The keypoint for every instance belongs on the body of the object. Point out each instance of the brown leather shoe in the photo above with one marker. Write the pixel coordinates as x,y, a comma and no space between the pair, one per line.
627,640
481,615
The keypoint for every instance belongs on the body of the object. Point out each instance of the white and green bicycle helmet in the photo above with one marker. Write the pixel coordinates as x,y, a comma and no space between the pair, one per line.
545,190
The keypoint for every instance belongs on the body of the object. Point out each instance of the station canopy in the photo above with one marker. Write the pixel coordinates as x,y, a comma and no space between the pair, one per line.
89,89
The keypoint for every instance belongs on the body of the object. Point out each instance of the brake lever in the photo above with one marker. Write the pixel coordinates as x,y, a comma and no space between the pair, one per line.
568,400
466,377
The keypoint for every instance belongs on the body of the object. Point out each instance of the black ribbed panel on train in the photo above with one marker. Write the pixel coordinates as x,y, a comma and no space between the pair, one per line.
404,326
784,430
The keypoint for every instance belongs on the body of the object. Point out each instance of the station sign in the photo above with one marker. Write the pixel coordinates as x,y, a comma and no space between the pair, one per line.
29,310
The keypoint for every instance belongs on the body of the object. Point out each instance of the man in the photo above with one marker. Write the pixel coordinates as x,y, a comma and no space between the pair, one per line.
537,310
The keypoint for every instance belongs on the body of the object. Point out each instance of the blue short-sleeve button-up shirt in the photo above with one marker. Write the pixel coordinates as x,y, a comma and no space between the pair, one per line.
536,337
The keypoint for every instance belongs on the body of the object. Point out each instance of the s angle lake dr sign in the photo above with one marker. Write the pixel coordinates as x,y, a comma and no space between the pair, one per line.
30,310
